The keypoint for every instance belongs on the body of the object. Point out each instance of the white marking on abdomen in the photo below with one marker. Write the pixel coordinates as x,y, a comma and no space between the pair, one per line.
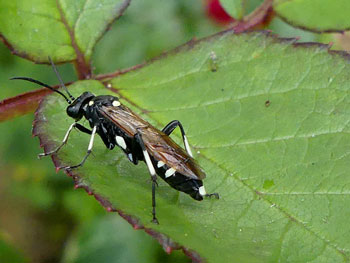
120,141
202,191
149,163
116,103
169,172
160,164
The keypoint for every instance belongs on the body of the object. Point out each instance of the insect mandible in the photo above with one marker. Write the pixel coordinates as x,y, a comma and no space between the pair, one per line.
117,125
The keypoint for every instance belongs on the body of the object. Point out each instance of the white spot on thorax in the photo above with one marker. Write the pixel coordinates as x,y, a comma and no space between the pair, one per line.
169,172
116,103
120,141
91,102
202,191
160,164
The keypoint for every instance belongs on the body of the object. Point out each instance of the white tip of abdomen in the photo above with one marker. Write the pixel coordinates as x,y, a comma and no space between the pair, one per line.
202,191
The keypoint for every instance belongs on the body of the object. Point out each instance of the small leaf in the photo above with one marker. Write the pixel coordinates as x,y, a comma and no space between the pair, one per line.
234,8
240,8
251,5
63,29
315,15
260,17
270,126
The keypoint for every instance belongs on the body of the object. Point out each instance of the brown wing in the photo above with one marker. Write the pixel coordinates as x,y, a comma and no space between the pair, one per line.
158,144
124,118
164,149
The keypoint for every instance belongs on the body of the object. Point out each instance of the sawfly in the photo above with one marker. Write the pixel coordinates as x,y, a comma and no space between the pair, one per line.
118,126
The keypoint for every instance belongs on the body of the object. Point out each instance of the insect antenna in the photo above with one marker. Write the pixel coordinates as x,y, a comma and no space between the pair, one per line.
43,85
60,79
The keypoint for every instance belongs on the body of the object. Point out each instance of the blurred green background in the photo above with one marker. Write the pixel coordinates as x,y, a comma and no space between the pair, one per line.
42,217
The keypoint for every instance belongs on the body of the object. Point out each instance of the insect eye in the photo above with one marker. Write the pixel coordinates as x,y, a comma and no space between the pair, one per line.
74,112
76,109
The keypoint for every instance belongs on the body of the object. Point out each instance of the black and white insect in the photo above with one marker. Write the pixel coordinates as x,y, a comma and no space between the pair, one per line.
117,125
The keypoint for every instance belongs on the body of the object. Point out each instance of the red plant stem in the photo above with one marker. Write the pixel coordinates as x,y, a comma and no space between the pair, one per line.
254,19
21,104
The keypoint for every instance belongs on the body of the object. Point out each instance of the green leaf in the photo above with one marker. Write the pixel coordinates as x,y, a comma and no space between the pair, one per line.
251,5
103,240
8,253
315,15
240,8
66,30
234,8
268,121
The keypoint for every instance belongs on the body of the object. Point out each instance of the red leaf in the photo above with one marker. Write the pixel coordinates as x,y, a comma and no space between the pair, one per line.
216,12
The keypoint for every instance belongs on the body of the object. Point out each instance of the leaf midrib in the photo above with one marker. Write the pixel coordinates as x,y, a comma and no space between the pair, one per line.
83,69
69,30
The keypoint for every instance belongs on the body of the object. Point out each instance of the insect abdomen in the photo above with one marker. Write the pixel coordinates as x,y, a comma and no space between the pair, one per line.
186,185
180,182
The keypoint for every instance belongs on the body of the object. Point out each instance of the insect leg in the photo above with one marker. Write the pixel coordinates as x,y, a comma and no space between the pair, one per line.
152,171
135,148
169,129
65,139
93,133
83,129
